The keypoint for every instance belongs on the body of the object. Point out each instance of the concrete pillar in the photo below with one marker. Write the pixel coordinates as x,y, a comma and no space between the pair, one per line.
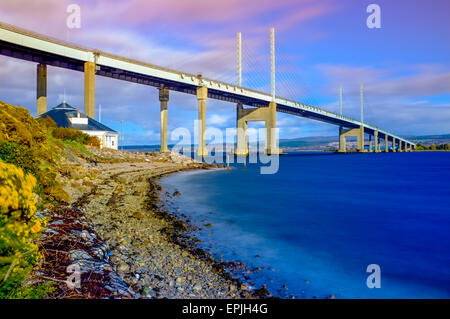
241,134
41,89
370,143
386,143
163,99
342,141
89,89
377,142
358,132
394,145
400,146
266,114
271,125
202,95
361,139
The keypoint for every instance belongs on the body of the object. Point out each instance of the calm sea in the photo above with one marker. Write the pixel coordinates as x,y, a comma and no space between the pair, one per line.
312,229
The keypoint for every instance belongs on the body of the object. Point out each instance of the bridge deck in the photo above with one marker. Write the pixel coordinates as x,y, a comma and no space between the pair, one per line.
26,45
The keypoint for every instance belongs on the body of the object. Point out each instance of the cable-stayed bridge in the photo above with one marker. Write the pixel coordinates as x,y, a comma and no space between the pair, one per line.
27,45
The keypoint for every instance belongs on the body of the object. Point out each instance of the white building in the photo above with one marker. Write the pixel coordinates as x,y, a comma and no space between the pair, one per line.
66,115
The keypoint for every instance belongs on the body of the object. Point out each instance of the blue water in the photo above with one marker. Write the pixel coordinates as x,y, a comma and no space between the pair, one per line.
319,222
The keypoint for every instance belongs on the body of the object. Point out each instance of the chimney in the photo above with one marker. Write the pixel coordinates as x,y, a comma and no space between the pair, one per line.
78,113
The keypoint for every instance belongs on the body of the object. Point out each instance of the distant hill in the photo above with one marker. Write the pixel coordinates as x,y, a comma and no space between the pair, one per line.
316,142
430,137
323,142
308,141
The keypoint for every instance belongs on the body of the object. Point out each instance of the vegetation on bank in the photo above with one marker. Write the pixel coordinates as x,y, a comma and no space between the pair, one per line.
19,228
30,166
433,147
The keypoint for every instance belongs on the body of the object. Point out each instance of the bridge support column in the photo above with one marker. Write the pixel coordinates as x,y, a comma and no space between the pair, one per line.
386,143
266,114
361,139
344,133
271,126
400,146
89,89
41,89
342,140
394,146
370,144
202,95
163,99
241,134
377,142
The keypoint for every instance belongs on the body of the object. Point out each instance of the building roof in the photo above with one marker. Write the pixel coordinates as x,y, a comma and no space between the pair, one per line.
64,111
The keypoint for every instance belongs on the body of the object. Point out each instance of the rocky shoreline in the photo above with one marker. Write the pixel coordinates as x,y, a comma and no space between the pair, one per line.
126,243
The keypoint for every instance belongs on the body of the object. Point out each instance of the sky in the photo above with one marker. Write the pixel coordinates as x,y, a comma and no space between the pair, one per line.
320,44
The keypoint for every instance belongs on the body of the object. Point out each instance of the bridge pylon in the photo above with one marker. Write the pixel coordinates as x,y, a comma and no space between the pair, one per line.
164,100
89,89
41,89
344,133
377,141
386,143
202,95
266,114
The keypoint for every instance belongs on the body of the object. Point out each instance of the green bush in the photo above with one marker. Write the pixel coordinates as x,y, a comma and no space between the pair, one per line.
20,156
70,134
17,125
47,122
49,186
27,143
33,291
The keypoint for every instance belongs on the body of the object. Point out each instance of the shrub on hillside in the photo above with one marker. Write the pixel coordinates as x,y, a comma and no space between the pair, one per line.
93,141
70,134
18,126
47,122
50,187
24,142
20,156
18,228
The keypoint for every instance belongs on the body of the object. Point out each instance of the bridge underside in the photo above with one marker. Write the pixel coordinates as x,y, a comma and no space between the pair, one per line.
45,58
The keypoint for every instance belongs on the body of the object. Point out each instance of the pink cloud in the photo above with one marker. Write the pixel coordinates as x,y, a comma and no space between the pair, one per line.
422,80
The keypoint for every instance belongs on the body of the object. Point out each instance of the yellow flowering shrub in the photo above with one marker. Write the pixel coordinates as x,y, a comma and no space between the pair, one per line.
24,142
18,227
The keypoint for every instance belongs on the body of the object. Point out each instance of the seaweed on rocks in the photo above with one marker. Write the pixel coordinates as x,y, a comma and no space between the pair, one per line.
68,240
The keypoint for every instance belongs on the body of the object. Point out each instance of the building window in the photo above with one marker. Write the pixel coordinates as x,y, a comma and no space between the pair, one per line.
112,143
